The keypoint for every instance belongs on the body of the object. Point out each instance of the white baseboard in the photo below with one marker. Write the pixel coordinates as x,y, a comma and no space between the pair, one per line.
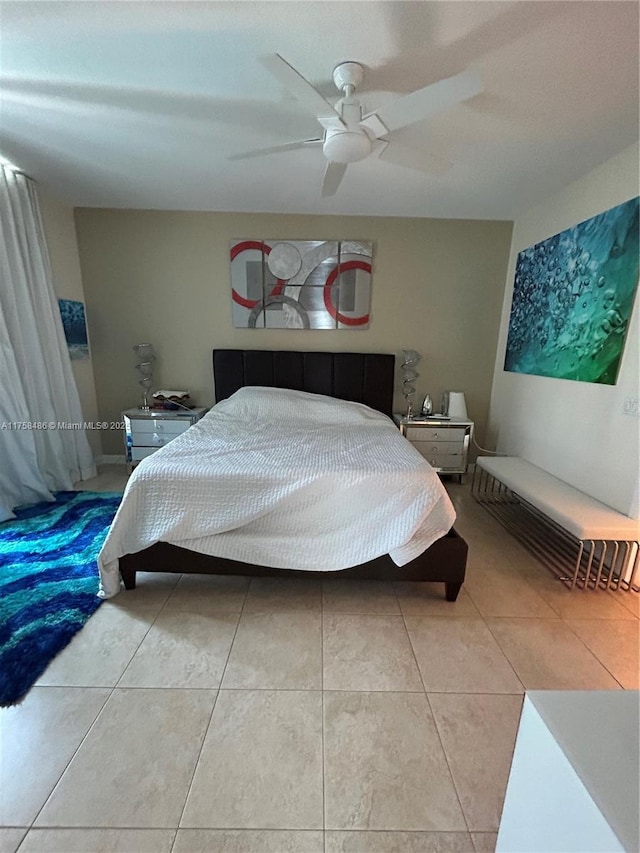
111,460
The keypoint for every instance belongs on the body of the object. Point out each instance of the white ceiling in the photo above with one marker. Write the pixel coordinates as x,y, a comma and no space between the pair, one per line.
139,104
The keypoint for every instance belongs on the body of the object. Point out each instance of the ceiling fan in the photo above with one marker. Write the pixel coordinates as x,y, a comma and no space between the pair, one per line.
350,134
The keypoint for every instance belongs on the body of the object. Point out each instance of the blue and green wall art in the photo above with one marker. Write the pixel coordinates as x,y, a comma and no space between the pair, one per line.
573,296
75,328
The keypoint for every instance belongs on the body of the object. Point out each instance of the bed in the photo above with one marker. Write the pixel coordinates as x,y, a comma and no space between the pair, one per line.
361,379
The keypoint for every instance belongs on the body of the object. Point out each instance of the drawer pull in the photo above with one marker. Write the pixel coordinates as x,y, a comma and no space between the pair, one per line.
420,434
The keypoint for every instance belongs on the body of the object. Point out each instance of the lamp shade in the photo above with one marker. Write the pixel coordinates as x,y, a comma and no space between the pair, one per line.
457,405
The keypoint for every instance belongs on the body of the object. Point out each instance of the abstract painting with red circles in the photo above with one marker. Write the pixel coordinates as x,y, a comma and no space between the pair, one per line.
301,284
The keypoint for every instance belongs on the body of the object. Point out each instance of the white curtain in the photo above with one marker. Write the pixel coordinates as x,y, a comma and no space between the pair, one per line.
37,386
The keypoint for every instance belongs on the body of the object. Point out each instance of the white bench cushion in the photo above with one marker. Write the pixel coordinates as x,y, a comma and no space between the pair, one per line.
581,515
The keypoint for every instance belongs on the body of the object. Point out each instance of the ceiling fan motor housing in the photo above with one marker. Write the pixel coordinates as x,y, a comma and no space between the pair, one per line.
351,143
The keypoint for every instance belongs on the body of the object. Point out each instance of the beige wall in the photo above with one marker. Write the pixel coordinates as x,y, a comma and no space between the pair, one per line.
577,431
60,234
163,277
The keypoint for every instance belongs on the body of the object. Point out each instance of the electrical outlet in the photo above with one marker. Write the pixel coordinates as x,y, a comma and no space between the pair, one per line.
631,406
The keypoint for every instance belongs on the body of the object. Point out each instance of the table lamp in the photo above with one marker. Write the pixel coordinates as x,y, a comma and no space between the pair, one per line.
409,375
146,357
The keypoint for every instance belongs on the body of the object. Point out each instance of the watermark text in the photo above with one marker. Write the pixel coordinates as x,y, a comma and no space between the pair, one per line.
16,426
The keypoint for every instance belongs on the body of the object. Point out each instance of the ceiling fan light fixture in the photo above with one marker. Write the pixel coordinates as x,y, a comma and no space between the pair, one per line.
346,146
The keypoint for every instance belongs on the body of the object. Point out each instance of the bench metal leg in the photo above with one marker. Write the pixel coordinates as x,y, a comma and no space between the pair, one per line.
582,564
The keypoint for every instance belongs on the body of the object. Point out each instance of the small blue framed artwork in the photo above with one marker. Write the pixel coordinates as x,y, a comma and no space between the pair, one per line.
573,296
75,328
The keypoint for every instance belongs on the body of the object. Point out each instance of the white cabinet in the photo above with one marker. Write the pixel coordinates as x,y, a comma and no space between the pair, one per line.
145,432
573,785
444,443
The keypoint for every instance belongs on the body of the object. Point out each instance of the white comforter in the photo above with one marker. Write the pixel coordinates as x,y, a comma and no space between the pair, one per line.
285,479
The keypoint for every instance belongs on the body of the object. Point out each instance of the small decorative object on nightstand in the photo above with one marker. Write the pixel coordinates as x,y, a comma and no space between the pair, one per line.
427,406
148,431
444,442
170,400
457,406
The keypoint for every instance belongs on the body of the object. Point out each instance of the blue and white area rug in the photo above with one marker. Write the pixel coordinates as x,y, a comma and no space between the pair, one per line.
48,582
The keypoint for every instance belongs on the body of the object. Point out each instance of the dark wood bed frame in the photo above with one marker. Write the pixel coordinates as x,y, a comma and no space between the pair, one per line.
362,377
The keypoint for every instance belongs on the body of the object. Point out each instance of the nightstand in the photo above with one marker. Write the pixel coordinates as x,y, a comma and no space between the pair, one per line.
146,432
444,443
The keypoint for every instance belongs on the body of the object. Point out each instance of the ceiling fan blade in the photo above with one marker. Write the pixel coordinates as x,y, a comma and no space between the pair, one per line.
374,126
276,149
411,158
303,91
333,176
424,103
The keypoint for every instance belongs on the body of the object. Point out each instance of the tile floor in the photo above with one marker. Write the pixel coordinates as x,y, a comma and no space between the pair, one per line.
266,715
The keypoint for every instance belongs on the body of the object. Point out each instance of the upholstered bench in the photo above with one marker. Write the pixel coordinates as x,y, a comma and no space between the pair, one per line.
585,542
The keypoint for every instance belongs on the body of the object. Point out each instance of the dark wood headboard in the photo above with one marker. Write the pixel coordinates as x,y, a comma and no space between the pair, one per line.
361,377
